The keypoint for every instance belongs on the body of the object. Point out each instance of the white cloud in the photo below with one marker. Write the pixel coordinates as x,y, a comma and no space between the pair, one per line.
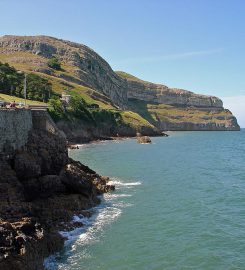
236,104
174,56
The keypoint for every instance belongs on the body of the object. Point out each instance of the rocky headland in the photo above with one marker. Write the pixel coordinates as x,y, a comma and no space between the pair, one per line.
143,106
41,189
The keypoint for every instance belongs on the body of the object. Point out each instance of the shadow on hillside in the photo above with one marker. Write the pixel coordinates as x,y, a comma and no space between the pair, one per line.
140,107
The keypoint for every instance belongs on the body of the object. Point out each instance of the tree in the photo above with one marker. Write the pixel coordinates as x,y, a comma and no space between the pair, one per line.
79,108
10,79
56,111
12,83
38,88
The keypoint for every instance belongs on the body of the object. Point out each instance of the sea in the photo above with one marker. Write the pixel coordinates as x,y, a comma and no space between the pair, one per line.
179,204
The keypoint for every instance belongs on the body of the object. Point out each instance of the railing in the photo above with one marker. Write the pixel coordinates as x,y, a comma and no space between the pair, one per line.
29,107
38,107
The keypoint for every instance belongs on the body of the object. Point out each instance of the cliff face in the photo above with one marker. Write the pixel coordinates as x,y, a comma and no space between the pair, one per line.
85,72
177,109
161,94
87,67
79,132
41,189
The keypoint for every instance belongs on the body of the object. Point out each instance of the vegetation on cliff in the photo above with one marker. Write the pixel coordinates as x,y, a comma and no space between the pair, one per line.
54,63
12,83
75,69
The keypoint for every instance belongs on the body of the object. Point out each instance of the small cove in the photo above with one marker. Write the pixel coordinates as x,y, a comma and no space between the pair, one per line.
179,204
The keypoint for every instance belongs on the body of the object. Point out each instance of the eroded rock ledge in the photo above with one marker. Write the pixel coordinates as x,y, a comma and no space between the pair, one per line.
41,189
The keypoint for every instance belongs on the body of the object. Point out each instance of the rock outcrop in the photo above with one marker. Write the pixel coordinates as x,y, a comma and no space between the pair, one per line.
83,132
41,189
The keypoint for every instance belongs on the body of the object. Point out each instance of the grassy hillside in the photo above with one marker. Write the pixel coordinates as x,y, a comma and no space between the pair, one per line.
128,76
177,115
34,64
79,71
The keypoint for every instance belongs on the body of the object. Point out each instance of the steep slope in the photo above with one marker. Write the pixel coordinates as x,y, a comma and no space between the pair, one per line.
161,94
84,72
177,109
81,65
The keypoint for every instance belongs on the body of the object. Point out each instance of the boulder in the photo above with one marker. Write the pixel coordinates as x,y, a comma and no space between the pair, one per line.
144,139
76,180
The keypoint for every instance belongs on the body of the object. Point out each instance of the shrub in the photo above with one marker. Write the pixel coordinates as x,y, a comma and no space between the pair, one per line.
56,109
54,63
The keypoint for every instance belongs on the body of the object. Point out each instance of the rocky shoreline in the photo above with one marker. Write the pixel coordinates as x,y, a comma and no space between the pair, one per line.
41,189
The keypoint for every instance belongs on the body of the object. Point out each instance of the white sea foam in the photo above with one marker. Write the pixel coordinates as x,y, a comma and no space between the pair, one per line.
103,215
110,197
117,182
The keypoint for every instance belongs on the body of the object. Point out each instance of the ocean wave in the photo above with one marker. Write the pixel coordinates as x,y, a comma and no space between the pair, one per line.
110,209
117,182
103,215
116,196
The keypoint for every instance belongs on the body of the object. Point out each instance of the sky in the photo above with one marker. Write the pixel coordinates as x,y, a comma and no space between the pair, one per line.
196,45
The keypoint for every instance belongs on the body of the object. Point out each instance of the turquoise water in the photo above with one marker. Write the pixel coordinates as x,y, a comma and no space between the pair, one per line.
179,204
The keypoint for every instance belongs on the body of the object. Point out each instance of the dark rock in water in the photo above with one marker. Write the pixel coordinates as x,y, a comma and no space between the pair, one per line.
75,180
73,147
144,139
41,189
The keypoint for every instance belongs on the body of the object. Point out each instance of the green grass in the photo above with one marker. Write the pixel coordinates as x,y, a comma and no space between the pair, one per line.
141,107
134,119
19,60
177,114
29,62
9,98
128,76
173,114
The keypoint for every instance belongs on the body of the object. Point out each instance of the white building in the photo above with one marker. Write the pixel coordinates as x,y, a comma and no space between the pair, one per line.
65,98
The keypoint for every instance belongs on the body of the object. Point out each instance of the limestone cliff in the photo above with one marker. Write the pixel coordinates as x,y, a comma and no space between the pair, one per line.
85,72
177,109
161,94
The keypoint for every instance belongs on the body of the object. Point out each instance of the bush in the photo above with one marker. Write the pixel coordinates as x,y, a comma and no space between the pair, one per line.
78,108
56,111
54,63
105,116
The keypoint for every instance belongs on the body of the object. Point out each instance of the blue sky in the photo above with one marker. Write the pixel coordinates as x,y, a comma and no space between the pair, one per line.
192,44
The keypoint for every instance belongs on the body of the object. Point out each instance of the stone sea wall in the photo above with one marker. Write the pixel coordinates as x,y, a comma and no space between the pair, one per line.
15,126
42,121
